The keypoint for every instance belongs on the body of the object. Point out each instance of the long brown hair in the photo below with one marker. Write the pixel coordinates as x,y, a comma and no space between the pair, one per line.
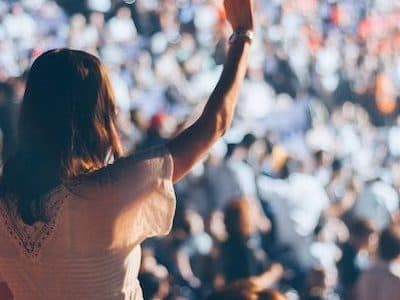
67,128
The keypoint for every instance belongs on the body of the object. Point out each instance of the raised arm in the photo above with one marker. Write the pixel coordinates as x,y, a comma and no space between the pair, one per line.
193,143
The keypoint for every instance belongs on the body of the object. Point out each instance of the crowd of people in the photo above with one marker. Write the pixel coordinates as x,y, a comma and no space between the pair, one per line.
302,194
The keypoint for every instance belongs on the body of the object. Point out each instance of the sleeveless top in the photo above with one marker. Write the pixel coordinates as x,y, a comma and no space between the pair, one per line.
91,247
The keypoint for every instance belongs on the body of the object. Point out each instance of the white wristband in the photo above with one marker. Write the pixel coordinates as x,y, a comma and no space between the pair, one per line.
247,35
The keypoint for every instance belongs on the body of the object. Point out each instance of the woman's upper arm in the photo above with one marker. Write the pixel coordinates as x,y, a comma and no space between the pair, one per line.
194,142
189,147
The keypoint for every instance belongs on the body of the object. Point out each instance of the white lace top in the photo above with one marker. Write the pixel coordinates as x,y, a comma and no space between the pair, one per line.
91,247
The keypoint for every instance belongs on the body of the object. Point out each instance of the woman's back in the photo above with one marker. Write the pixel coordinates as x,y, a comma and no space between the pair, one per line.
90,248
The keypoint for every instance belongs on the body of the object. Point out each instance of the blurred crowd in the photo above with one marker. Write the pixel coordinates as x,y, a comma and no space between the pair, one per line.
301,196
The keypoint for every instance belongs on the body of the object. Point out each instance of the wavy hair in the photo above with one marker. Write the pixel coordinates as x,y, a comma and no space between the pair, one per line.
67,127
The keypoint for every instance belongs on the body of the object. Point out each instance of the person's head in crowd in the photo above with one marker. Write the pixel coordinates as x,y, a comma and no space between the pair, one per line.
246,290
239,219
389,244
77,22
363,235
97,20
67,127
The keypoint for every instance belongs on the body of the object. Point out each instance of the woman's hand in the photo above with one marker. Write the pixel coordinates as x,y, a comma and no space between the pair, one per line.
240,14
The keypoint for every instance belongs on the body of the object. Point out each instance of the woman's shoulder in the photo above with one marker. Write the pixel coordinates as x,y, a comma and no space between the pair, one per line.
126,181
139,164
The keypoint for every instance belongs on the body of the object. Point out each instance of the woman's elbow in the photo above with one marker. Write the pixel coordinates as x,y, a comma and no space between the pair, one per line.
222,124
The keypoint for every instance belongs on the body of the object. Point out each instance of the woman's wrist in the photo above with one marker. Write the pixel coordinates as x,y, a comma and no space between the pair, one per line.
241,35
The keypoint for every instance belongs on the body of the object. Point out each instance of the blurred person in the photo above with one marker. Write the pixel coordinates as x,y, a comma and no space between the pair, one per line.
356,255
257,97
69,182
321,170
378,201
121,28
328,61
386,98
325,250
20,26
382,280
282,77
278,164
341,190
231,177
238,163
195,246
241,254
298,201
220,183
155,134
146,16
77,26
265,154
235,176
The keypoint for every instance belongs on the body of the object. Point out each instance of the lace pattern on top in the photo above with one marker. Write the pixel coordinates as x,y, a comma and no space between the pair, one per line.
30,239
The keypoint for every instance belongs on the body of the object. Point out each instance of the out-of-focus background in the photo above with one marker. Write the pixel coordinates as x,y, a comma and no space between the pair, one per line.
297,193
